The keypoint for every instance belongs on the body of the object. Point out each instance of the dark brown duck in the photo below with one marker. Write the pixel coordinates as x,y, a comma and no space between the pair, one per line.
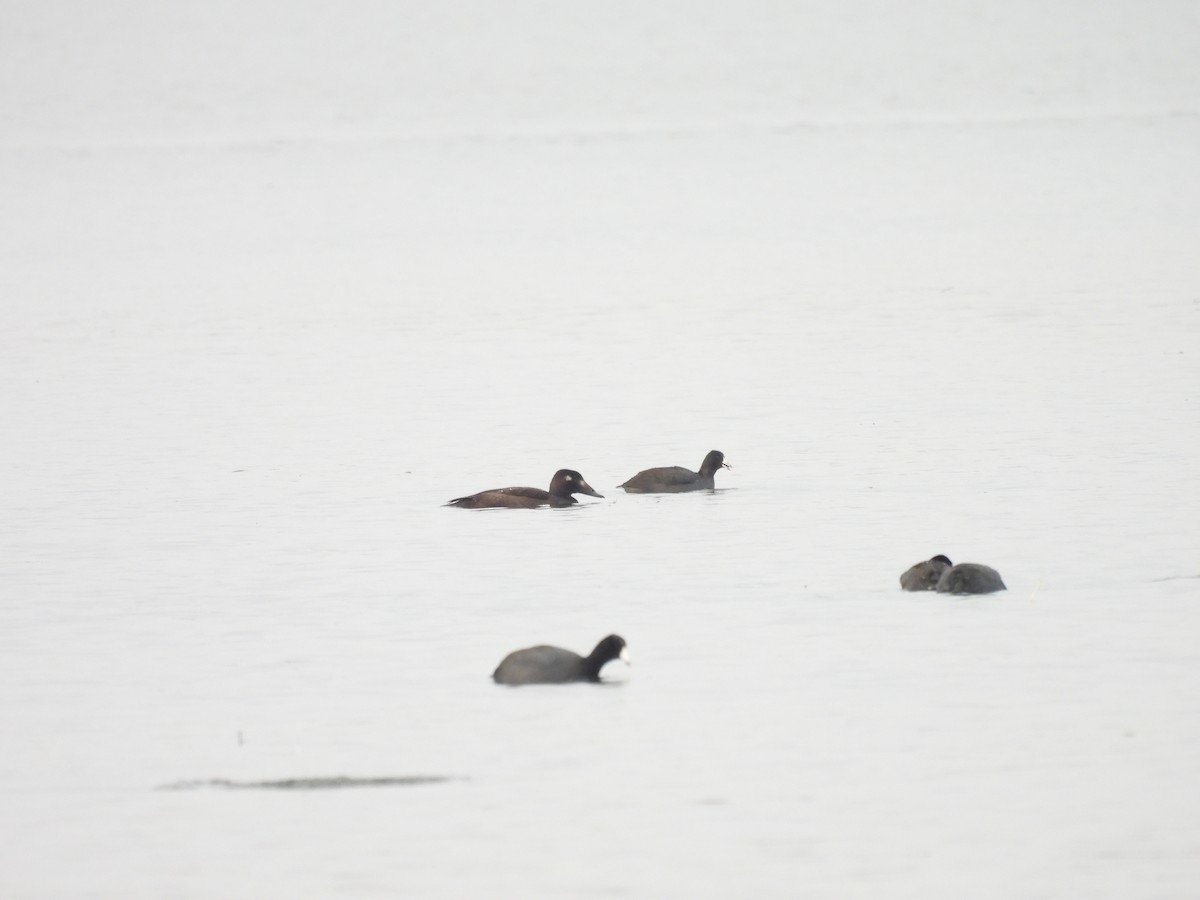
677,479
564,484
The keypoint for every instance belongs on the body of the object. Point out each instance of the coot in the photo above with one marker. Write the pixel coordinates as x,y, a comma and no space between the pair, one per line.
924,575
677,479
970,578
554,665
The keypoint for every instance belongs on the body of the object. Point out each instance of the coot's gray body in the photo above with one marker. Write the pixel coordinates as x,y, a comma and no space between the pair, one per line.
554,665
677,479
970,578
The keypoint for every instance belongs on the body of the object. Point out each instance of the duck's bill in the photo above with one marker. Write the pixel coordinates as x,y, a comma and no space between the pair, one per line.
726,465
586,488
624,656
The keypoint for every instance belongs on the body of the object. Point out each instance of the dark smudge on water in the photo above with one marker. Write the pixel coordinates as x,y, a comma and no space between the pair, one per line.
308,784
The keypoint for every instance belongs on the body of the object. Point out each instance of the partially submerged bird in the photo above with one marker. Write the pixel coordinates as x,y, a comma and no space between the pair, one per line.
924,575
970,578
676,479
554,665
563,485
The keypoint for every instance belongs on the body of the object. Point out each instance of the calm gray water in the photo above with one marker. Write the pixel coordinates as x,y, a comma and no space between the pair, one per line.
255,338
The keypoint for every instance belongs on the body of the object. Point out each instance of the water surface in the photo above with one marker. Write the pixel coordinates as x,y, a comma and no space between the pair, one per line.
247,357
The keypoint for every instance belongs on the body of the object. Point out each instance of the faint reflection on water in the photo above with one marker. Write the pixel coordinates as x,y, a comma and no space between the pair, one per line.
309,784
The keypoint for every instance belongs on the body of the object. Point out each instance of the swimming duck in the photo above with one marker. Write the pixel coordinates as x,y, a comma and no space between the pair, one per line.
563,485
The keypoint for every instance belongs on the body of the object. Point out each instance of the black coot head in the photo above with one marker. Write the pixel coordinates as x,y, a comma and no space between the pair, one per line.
612,647
715,460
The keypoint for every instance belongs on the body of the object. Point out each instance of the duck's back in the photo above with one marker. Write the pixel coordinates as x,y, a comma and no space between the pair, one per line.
512,497
666,480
